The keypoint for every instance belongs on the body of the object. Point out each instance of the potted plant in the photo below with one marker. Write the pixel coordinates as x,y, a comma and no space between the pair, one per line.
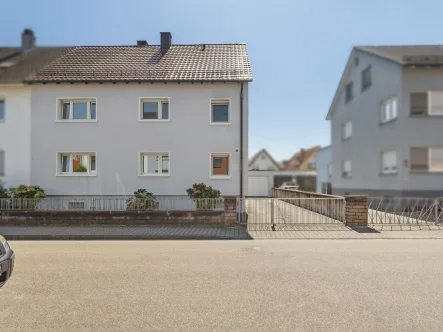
203,196
80,168
143,200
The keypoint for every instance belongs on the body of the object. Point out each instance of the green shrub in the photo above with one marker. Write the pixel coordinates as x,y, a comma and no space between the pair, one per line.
199,191
143,200
3,191
80,168
31,196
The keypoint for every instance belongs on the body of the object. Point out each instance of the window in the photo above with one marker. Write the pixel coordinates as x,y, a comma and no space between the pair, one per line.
366,78
418,104
419,159
389,162
436,159
2,110
347,168
77,110
76,163
329,170
153,109
220,111
220,165
154,164
349,94
389,110
435,102
2,163
347,130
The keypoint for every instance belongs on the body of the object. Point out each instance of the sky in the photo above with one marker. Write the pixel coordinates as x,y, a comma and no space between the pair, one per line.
298,49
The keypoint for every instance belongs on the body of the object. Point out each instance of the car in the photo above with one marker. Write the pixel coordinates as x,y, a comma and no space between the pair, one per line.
290,186
7,257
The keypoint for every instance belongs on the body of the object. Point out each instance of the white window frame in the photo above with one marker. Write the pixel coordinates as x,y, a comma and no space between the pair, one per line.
220,154
59,109
385,102
222,101
4,109
347,126
141,155
393,169
71,172
433,170
344,168
159,101
430,104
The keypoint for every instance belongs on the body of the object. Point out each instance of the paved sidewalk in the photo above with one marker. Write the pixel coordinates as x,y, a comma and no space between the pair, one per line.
209,233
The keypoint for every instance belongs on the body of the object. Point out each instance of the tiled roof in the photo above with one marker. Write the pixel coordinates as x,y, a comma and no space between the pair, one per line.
209,62
300,160
7,51
404,54
24,64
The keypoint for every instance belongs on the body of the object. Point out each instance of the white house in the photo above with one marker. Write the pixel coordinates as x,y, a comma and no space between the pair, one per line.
110,120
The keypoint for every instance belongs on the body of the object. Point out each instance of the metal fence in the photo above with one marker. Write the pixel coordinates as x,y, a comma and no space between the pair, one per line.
281,212
110,204
405,211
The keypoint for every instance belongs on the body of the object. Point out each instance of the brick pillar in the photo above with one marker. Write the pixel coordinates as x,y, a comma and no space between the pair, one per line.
230,210
356,210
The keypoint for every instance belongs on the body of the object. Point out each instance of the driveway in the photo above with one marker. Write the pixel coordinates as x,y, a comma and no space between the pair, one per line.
318,285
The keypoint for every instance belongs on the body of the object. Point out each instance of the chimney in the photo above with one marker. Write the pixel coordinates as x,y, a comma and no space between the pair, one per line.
28,40
165,41
142,43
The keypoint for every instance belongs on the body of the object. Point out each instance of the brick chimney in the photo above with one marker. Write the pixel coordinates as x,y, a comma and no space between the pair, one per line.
165,41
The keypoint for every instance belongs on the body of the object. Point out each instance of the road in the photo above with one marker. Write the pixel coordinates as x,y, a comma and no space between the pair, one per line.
267,285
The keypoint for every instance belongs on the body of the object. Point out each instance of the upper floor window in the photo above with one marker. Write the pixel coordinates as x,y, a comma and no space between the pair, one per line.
388,110
366,78
347,130
220,111
436,159
154,109
76,163
388,162
154,164
2,110
347,168
77,110
427,159
349,93
426,103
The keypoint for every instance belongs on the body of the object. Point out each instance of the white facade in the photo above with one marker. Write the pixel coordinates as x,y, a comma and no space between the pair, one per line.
15,134
118,139
262,162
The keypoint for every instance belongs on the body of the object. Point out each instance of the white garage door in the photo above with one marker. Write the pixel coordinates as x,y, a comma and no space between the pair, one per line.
258,186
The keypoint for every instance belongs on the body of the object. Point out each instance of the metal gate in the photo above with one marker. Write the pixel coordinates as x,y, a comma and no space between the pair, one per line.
284,213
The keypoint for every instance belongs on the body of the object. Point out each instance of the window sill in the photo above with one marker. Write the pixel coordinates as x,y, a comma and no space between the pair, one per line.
154,175
145,120
388,121
220,177
219,123
75,175
427,172
388,173
346,177
436,115
76,121
346,138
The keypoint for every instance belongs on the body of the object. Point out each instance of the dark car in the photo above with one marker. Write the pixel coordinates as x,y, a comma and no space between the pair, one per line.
6,261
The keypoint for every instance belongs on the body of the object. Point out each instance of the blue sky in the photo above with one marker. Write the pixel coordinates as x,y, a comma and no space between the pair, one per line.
298,49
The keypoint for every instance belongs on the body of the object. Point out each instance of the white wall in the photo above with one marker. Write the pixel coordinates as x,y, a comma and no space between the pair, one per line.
15,135
117,137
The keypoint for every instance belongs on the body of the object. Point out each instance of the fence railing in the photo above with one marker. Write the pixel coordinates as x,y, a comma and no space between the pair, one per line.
405,210
327,205
111,204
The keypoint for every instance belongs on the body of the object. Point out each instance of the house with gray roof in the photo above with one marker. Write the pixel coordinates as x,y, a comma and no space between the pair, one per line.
108,120
386,122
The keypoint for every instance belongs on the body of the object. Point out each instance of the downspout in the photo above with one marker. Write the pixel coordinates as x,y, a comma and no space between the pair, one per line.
241,141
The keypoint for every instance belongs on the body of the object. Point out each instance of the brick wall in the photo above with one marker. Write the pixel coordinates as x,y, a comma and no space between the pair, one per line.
356,211
215,218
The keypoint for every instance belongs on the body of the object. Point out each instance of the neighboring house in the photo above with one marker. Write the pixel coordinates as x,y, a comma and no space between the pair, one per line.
324,170
263,161
386,122
303,160
17,63
108,120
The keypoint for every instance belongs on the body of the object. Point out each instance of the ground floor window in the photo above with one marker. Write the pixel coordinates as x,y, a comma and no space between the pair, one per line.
154,163
220,165
76,163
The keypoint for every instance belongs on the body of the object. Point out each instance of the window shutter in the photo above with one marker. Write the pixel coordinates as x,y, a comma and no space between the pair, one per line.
419,104
419,159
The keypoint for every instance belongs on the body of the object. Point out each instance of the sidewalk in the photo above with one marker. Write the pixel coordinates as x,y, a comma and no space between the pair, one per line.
212,233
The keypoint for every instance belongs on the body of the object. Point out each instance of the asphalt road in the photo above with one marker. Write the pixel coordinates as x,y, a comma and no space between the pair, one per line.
305,285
